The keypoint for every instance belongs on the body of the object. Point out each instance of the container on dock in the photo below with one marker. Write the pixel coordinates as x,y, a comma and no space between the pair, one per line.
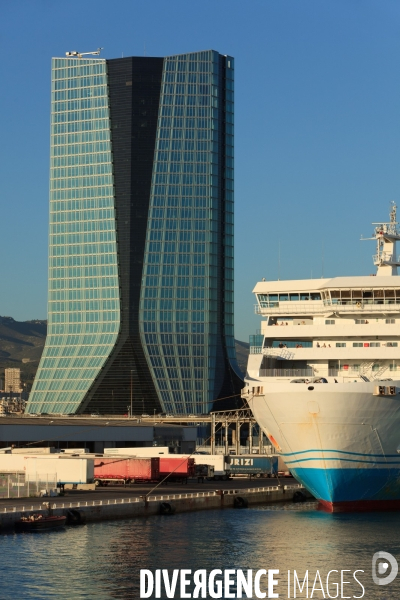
178,468
49,467
126,469
254,465
67,469
218,461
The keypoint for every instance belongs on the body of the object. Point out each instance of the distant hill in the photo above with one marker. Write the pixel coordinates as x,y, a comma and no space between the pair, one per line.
21,346
22,342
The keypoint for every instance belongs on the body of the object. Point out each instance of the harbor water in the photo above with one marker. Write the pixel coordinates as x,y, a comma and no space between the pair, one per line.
103,560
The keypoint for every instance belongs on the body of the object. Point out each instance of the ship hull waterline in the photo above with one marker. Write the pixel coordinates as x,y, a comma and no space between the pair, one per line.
339,440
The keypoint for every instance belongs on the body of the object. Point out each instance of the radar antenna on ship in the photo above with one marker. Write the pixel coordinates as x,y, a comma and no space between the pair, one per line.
386,236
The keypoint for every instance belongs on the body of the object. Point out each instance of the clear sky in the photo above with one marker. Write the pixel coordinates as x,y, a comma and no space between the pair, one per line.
317,144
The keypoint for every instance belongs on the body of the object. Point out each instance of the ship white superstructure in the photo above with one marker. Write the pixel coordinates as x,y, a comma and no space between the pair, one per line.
323,377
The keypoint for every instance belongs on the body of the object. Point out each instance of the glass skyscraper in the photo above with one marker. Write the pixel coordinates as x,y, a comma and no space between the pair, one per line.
140,310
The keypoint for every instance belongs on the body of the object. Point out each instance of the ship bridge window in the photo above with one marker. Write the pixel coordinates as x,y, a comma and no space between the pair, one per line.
335,295
304,296
315,296
294,297
367,294
283,297
346,294
265,300
389,293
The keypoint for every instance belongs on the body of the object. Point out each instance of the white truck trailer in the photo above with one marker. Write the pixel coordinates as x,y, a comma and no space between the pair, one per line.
68,469
60,467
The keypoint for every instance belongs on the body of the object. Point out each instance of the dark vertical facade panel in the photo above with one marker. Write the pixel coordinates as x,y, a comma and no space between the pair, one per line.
134,91
227,383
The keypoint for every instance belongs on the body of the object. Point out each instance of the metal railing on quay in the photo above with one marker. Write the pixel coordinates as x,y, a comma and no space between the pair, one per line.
157,498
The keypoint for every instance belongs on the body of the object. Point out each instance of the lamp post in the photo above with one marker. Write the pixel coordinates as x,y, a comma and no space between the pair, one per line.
131,393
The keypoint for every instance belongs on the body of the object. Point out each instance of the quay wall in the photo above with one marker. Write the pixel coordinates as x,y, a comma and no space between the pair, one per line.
139,507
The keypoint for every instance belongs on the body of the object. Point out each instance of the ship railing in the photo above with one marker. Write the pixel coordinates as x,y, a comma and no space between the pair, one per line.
255,349
309,372
351,305
385,257
361,302
287,373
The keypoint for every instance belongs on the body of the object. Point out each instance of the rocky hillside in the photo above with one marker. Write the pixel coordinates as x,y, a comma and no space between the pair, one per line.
21,346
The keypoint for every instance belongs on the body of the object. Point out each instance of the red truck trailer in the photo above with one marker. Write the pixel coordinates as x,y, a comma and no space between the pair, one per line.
179,468
126,470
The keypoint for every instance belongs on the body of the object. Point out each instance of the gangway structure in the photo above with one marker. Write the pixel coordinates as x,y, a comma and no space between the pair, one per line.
235,419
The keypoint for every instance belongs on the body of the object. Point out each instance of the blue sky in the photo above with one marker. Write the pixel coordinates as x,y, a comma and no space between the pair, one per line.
317,144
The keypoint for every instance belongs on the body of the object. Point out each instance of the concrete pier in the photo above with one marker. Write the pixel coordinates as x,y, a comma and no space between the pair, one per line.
86,511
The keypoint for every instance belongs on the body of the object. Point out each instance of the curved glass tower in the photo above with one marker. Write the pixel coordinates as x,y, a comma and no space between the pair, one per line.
140,309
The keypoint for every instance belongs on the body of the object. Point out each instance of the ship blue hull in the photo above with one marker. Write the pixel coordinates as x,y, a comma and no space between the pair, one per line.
352,489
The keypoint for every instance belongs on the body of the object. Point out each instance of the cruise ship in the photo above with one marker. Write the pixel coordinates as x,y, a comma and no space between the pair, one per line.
323,380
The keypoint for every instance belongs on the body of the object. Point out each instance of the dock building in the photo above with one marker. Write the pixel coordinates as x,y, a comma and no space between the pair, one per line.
140,307
94,434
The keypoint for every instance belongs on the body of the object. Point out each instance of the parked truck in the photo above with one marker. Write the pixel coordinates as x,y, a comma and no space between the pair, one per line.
126,469
178,468
218,461
253,465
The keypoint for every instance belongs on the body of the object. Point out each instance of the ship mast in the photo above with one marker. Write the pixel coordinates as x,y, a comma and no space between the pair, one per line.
386,236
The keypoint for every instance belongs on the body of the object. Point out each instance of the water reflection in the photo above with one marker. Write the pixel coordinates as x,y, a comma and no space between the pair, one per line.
103,560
